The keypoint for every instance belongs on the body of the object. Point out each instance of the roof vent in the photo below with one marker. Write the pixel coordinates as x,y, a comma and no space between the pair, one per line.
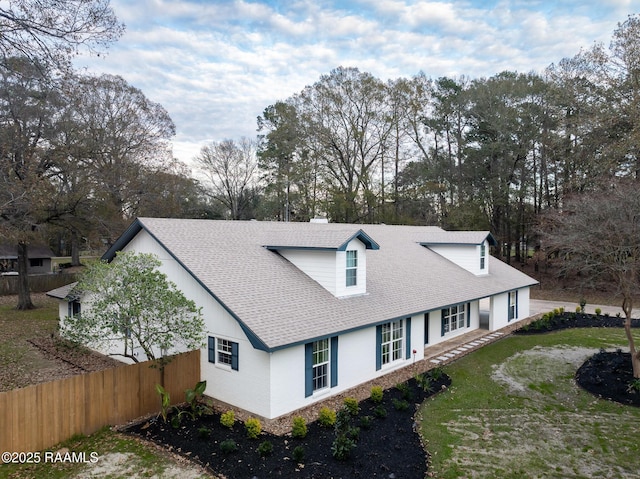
321,220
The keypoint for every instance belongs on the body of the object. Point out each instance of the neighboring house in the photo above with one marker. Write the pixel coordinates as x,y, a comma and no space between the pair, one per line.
39,259
297,312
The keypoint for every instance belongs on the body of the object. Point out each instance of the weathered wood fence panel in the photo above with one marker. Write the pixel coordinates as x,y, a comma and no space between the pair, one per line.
37,417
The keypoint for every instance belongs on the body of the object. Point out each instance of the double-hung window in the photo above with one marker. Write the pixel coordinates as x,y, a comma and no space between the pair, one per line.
321,365
454,318
393,342
223,352
352,268
320,375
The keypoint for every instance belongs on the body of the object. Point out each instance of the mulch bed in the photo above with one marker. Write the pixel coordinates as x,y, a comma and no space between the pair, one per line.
574,320
386,447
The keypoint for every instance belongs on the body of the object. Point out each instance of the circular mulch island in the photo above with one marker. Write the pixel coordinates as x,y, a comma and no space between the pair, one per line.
608,375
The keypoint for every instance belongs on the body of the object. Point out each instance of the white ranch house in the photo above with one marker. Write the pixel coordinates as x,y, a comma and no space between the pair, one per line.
296,312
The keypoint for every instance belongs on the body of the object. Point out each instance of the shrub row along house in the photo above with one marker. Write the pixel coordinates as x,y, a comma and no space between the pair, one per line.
296,312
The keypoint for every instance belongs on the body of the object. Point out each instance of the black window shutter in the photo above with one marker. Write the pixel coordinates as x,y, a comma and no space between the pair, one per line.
212,349
407,340
308,369
334,361
234,356
378,347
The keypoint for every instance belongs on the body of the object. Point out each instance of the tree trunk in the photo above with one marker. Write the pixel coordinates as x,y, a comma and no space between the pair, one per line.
24,294
627,307
75,248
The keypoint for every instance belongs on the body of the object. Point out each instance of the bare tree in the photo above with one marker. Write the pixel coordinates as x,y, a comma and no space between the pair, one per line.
53,31
598,235
231,169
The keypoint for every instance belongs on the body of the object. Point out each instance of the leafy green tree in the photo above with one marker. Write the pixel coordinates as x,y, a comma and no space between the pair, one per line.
129,302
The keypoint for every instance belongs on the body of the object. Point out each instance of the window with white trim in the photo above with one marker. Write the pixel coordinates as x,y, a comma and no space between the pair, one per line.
453,318
320,374
352,268
223,352
320,365
392,340
483,256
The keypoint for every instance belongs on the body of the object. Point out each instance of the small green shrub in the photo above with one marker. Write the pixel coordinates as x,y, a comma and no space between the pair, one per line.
405,390
228,419
380,411
342,447
327,417
376,394
228,446
253,427
365,422
424,381
351,404
598,311
437,373
343,420
400,404
583,303
204,432
298,454
353,433
299,427
265,448
578,309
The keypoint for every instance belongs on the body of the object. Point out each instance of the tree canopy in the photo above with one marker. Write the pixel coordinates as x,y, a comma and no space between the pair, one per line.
130,304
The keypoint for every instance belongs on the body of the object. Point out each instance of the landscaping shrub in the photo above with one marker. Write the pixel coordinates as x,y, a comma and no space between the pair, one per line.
342,447
405,390
204,432
424,381
380,411
299,428
265,448
400,404
365,422
298,454
228,419
598,311
327,417
351,404
376,394
228,446
253,427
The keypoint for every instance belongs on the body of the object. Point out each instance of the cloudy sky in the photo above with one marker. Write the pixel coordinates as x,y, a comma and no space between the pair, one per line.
215,65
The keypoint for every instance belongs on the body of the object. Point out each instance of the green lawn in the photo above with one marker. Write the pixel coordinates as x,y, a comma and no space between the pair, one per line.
514,411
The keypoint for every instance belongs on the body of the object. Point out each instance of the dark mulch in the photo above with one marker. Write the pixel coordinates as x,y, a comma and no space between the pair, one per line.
574,320
388,447
607,374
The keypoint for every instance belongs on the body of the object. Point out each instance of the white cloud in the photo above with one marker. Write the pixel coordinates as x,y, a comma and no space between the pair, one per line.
215,66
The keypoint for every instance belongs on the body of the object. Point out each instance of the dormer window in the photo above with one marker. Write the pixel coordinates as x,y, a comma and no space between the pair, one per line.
352,268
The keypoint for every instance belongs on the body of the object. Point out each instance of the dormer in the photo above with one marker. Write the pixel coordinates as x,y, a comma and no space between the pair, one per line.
334,257
467,249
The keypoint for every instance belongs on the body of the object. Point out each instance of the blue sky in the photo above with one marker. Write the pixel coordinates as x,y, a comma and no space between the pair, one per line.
216,65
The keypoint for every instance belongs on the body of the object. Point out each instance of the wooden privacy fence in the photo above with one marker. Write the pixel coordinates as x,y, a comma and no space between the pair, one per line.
37,417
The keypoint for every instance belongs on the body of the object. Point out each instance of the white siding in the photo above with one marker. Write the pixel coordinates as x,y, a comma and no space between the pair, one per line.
247,388
466,256
356,364
319,265
328,268
499,315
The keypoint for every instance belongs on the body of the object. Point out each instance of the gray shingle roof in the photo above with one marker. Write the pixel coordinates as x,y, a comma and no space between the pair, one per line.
279,305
